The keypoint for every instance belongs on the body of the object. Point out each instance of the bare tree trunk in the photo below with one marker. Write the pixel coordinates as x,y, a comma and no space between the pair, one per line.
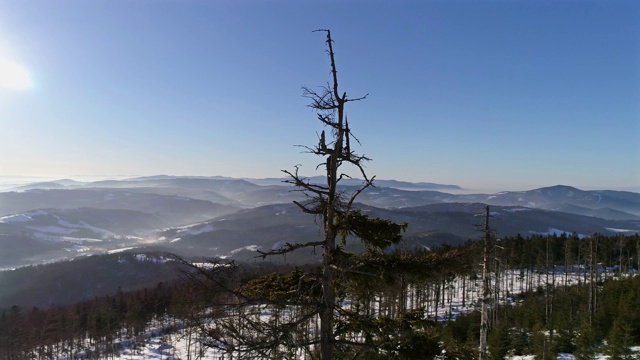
595,287
328,290
591,285
464,289
638,254
546,285
484,317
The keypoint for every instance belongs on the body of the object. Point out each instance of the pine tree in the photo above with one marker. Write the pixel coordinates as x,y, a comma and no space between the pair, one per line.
619,340
498,342
585,342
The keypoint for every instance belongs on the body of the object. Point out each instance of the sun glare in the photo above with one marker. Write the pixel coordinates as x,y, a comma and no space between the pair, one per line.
13,76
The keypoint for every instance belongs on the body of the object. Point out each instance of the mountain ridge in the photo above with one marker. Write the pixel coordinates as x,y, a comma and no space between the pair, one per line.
221,216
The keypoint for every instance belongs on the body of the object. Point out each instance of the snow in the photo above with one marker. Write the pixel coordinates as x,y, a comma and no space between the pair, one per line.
59,238
561,356
144,257
55,233
622,230
177,346
204,229
557,232
24,217
78,248
248,248
115,251
192,229
84,225
517,209
182,342
15,218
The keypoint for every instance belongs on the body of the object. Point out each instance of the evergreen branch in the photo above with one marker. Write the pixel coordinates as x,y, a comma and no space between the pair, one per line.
287,248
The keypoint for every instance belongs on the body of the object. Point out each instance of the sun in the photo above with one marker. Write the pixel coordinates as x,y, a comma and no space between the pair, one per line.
14,76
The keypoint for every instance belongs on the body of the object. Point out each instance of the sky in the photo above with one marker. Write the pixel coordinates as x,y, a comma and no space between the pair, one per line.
495,95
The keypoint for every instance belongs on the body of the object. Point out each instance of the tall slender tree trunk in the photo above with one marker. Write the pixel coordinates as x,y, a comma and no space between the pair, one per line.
591,285
484,317
328,277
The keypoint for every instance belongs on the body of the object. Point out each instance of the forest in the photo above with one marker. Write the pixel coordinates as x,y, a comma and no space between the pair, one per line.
549,295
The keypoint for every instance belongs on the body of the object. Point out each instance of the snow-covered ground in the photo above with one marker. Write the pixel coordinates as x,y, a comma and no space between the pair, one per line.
177,346
61,231
458,298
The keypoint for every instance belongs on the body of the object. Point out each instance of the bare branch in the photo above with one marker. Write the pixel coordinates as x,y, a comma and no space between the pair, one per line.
356,99
304,183
367,184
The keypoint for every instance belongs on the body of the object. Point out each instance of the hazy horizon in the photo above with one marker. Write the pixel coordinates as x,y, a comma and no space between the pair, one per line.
7,182
494,95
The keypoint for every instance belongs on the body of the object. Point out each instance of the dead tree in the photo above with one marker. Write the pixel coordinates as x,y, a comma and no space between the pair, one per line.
484,315
301,298
331,204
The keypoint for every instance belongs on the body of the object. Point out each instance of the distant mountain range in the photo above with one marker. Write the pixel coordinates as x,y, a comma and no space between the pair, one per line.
227,217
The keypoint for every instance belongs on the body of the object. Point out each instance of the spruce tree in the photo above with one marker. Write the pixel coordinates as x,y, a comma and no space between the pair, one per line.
585,342
619,340
499,342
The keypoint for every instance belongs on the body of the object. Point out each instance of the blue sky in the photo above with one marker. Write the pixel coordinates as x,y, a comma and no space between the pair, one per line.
500,95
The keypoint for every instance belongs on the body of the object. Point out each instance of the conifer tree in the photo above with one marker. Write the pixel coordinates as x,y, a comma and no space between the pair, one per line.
619,340
498,342
333,205
585,342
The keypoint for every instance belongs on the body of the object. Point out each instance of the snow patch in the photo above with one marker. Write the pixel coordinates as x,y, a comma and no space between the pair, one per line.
84,225
62,228
557,232
622,230
512,210
78,248
192,229
62,239
24,217
115,251
204,229
144,257
248,248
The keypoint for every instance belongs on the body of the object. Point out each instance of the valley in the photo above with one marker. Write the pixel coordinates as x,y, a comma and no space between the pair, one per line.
219,217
